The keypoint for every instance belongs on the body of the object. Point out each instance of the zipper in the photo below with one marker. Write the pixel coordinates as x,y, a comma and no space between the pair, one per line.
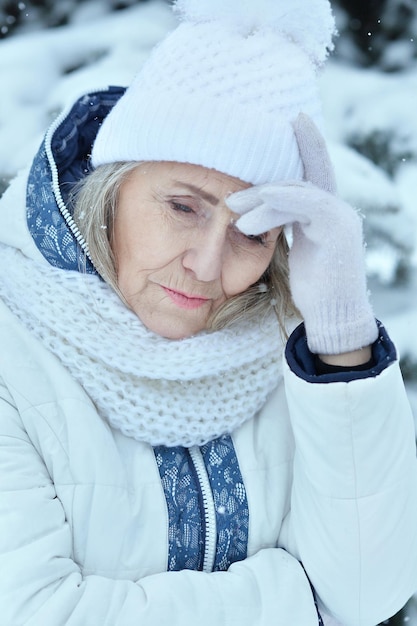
209,509
55,178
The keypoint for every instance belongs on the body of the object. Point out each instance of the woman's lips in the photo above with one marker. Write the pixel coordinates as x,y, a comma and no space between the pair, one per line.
185,301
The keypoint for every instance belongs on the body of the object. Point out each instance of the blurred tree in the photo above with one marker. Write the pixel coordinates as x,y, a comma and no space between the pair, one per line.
44,13
379,32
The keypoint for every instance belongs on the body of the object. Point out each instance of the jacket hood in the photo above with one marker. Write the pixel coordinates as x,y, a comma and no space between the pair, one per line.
62,161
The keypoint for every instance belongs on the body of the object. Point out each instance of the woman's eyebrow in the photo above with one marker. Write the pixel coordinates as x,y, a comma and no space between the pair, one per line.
198,191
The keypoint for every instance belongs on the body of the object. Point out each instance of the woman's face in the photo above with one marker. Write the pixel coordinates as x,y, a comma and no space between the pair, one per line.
178,254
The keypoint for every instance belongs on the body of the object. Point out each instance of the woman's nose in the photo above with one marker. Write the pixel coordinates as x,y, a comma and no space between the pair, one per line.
205,256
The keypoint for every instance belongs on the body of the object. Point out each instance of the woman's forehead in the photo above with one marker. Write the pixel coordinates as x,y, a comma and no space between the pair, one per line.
196,177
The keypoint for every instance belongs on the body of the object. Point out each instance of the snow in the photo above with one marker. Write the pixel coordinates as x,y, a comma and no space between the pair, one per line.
371,122
46,70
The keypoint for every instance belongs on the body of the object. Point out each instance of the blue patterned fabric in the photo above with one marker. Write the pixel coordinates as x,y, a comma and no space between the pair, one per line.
232,513
71,146
46,224
185,532
185,509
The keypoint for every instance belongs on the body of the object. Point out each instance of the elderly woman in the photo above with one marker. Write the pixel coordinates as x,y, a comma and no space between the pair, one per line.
201,421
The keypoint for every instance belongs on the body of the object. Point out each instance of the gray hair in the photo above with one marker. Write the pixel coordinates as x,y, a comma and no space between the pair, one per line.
95,204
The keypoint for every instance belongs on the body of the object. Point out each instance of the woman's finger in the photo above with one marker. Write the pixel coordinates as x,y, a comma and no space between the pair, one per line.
318,167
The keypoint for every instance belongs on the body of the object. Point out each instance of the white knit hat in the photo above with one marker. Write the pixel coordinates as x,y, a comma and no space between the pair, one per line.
223,89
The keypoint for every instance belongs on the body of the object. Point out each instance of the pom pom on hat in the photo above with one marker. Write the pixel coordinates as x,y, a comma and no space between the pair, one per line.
308,24
223,89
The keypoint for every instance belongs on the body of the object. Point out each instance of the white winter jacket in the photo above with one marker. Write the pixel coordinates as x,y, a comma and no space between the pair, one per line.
329,471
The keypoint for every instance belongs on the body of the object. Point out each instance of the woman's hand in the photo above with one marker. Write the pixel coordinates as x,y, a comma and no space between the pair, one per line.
326,259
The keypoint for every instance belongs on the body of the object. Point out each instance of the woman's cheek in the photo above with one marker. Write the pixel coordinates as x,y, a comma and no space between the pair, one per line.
240,275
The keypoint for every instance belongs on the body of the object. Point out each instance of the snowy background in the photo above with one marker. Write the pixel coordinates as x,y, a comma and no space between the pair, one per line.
50,53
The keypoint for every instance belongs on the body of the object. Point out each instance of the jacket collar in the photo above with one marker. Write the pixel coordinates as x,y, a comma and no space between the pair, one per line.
62,161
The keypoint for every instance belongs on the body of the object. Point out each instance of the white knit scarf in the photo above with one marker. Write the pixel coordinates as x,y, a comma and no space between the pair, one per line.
171,392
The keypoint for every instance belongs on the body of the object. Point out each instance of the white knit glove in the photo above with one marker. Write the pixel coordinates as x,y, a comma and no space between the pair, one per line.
326,260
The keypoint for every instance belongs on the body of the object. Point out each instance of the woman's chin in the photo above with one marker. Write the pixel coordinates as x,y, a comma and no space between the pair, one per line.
174,327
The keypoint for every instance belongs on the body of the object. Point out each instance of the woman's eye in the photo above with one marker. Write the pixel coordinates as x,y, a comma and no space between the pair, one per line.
261,239
182,208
